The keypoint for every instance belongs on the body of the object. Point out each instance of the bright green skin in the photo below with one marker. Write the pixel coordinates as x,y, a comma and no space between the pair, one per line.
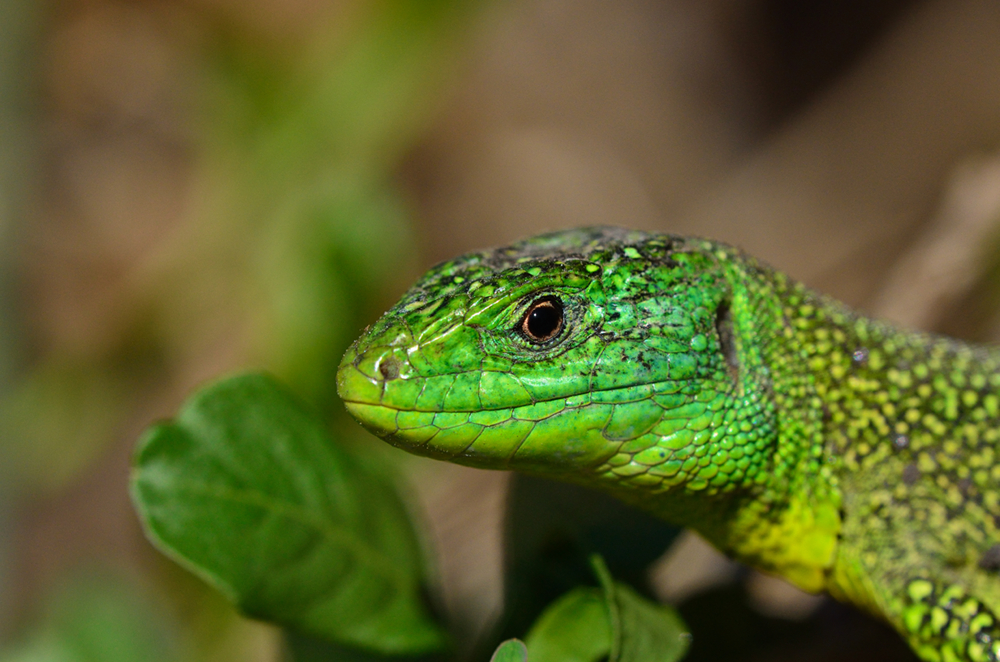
797,436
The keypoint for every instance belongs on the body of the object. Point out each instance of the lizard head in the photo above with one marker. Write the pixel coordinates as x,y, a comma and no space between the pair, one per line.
599,352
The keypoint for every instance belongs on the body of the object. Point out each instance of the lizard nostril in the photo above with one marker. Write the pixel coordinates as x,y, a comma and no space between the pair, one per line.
388,368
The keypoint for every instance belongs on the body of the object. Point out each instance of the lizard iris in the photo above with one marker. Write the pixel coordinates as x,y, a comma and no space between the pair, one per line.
688,379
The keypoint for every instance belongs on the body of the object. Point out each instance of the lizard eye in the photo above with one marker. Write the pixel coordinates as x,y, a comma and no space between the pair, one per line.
543,321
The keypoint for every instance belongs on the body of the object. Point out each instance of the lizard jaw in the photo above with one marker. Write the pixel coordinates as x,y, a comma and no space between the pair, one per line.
552,435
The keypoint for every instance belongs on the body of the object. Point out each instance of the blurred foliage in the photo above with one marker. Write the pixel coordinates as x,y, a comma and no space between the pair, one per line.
293,236
298,166
19,30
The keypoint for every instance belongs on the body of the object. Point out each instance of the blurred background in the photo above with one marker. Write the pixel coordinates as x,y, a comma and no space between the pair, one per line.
190,187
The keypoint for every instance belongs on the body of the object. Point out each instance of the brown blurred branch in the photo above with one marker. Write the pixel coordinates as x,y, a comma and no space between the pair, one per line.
865,162
952,252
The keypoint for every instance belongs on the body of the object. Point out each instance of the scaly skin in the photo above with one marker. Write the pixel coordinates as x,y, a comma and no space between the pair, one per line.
696,383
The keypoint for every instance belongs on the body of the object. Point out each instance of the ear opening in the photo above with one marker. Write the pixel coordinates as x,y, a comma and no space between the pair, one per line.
727,340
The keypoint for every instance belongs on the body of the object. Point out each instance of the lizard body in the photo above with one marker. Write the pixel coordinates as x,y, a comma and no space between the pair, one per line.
692,381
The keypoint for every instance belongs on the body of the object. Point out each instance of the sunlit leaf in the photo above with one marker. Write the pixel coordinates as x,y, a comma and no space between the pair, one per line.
612,622
642,631
512,650
246,489
575,628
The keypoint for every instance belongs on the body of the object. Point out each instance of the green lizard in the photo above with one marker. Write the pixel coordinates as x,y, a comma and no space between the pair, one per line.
690,380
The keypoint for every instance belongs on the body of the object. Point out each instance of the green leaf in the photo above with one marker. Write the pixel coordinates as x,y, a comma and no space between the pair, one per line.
512,650
301,648
575,628
612,622
246,489
642,631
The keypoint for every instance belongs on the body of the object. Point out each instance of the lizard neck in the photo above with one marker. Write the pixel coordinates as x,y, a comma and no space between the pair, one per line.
784,516
791,523
910,422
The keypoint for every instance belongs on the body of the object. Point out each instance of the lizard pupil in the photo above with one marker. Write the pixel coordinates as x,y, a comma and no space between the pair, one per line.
543,321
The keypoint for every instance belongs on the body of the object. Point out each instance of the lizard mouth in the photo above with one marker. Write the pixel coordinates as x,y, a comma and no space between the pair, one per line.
438,417
381,391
